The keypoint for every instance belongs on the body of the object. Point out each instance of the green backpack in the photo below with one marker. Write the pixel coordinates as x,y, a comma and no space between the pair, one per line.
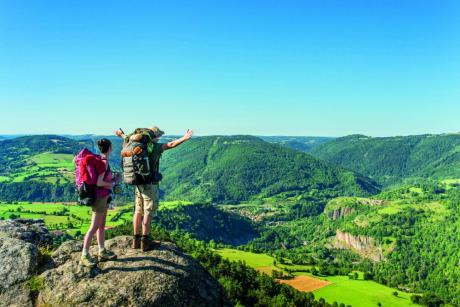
138,164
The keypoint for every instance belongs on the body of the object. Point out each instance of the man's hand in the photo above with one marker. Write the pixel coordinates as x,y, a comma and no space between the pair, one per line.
188,135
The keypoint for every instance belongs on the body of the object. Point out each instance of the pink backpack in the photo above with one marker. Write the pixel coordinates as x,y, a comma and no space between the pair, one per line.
85,169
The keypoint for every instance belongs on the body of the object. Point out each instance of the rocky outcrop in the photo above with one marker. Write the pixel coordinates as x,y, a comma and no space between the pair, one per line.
340,213
363,245
372,202
19,259
342,207
32,231
163,277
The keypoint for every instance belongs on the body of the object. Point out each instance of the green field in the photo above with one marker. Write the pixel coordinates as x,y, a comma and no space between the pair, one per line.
361,293
45,167
252,259
72,218
343,289
54,160
262,262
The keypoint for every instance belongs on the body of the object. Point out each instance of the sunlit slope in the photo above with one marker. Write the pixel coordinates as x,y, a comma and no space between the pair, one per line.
236,168
391,159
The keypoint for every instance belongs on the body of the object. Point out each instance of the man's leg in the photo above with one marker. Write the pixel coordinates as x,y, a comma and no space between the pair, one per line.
146,221
151,205
137,217
137,223
150,197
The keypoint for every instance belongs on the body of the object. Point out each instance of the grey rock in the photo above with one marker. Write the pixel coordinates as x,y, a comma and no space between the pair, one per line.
162,277
365,246
16,296
64,252
18,261
29,230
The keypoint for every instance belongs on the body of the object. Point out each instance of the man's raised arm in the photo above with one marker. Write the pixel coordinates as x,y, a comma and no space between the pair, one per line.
177,142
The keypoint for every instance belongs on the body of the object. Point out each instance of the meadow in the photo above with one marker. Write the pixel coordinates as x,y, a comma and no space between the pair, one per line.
72,218
47,167
355,292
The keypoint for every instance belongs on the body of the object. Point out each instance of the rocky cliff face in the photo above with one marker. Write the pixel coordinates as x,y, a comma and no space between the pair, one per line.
162,277
340,213
363,245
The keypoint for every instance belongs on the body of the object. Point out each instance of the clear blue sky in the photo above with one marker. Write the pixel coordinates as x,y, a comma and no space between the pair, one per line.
230,67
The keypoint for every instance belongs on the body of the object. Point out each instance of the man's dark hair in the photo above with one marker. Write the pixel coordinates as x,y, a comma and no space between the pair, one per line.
104,145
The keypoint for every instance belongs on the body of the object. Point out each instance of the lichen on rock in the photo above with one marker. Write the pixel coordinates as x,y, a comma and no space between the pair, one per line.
162,277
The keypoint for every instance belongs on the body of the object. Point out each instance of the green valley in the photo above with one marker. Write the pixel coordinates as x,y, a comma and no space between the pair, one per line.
311,222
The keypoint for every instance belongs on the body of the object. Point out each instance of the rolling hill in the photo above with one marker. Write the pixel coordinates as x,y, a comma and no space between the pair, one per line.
392,159
238,168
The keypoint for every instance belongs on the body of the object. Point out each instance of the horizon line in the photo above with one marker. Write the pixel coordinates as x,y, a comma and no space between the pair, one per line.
237,134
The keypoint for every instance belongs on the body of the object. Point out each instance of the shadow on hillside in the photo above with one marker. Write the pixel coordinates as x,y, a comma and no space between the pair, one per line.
153,259
142,268
147,263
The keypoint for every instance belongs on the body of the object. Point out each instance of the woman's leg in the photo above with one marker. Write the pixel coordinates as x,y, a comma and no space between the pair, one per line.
91,231
101,230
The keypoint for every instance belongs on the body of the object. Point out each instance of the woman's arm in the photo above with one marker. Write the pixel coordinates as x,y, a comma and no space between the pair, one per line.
103,184
100,179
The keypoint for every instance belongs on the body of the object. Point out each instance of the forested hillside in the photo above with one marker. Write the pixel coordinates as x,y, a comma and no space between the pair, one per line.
237,168
391,159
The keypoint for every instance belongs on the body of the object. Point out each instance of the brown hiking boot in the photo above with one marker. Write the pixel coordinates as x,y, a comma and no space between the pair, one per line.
105,255
148,244
136,242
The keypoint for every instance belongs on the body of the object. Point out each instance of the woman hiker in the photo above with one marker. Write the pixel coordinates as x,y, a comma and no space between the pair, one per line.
104,184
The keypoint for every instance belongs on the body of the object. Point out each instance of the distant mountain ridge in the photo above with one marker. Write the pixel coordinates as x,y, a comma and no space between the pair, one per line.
392,159
301,143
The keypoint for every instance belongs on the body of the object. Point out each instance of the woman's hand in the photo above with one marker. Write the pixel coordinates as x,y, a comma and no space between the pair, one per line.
102,183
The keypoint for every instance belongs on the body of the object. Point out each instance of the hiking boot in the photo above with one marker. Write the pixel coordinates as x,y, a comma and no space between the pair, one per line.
136,242
87,261
105,255
148,244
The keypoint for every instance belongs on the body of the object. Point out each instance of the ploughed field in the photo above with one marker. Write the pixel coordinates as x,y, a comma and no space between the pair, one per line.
355,292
